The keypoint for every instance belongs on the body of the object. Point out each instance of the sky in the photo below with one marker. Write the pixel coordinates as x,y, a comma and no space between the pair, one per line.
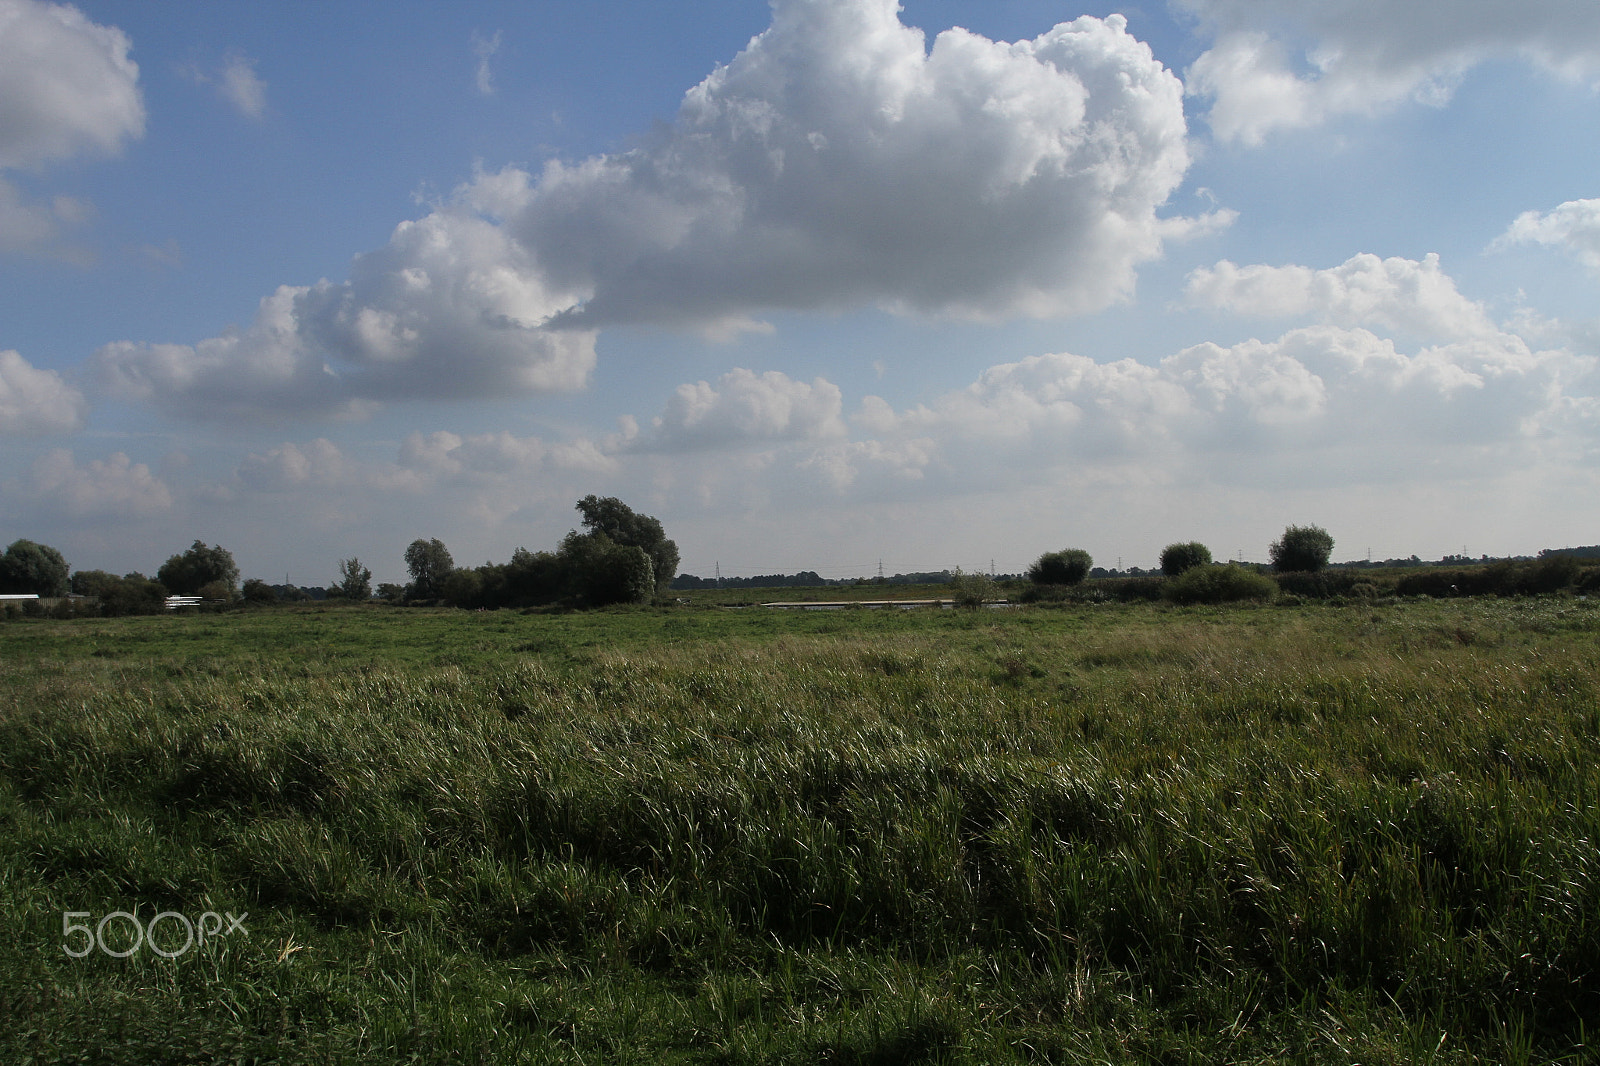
821,284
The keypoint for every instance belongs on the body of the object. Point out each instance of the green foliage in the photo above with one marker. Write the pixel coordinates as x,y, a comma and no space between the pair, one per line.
617,521
29,567
974,589
216,592
1176,558
1067,567
257,591
598,571
186,574
1220,583
1551,573
118,596
429,563
463,588
354,583
1301,549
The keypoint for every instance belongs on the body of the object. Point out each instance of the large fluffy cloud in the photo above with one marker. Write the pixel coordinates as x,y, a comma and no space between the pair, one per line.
839,161
450,308
66,85
67,88
35,402
836,162
1288,63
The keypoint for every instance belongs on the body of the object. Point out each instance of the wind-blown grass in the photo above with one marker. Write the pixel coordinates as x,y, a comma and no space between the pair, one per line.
1112,833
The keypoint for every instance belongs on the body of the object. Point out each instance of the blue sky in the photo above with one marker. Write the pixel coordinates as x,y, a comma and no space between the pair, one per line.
817,283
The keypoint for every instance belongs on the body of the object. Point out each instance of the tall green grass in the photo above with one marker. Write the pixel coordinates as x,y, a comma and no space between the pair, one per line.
1107,833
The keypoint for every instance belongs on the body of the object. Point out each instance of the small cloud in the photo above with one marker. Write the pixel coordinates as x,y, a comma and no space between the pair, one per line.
241,87
1406,295
744,408
485,48
236,82
167,254
1575,226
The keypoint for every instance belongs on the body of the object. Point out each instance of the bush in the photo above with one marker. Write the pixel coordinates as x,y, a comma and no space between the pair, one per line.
1325,584
1301,549
1177,558
118,596
1220,583
1504,578
1067,567
1100,590
259,592
218,591
972,590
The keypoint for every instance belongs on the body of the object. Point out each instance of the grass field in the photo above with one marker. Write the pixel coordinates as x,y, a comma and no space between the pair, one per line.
1094,833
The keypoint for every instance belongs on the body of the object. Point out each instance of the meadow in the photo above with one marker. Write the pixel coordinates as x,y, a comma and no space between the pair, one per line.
1349,832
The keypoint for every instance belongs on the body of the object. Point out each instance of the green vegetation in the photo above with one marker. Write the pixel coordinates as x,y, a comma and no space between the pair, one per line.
1083,833
1176,558
1219,583
201,571
1301,549
38,569
1067,567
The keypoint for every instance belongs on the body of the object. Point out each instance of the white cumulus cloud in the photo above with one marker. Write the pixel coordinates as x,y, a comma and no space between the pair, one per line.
67,89
36,402
67,86
289,466
1574,225
839,161
1294,63
745,407
1323,403
111,488
451,308
1405,295
836,162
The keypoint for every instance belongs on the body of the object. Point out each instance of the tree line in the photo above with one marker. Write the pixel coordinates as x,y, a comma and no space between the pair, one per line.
619,556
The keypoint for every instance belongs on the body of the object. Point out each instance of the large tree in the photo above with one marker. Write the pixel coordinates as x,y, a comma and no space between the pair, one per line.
1067,567
1177,558
618,522
37,568
200,567
430,563
1301,548
355,581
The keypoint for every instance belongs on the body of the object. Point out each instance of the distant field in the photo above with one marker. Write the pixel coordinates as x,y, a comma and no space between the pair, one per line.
1086,833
